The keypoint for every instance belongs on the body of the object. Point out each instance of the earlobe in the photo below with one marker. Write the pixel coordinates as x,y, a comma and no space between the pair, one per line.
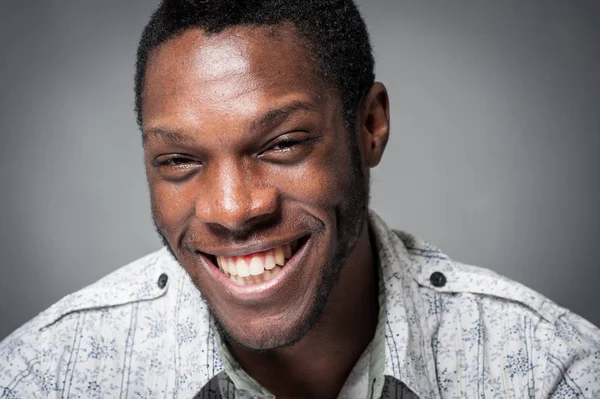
376,124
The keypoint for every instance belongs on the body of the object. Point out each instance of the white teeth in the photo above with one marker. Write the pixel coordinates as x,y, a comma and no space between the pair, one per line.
275,271
266,276
242,267
256,265
239,281
231,266
287,251
269,260
223,263
257,268
279,256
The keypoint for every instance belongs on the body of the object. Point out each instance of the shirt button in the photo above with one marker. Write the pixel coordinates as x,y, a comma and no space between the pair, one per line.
162,281
437,279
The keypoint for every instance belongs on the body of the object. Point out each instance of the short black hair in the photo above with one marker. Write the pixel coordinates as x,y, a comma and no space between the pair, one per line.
334,29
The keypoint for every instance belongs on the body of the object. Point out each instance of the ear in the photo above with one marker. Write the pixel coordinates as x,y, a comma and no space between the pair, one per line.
375,121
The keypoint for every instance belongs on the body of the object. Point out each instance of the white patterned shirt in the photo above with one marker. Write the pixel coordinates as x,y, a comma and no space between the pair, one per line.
445,330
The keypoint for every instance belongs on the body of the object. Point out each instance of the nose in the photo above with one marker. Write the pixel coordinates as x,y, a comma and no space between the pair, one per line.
236,198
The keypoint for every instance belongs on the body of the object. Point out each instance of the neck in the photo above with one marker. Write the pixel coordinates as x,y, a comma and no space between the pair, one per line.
317,366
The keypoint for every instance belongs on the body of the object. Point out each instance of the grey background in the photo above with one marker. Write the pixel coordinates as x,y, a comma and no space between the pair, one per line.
493,154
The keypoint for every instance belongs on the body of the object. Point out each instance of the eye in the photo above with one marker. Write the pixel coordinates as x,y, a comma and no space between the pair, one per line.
176,166
289,149
174,161
285,145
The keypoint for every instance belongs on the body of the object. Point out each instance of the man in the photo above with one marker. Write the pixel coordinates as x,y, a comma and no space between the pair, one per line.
260,123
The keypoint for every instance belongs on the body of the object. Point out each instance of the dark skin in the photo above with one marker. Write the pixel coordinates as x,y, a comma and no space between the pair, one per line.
246,149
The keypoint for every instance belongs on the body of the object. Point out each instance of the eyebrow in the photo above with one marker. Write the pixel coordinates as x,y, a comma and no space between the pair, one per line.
270,118
170,136
278,115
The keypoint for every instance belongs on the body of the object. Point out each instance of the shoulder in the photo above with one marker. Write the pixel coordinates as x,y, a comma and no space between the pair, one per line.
476,314
137,281
41,351
436,273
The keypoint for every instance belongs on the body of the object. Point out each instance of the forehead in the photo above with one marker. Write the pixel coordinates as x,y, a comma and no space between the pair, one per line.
240,69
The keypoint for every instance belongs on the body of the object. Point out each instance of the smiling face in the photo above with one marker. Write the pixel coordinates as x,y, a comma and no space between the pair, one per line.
256,185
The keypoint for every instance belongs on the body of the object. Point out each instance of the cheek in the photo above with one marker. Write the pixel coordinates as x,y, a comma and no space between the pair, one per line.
171,205
320,181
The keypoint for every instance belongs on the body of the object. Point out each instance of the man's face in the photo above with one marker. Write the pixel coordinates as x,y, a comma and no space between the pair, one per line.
255,185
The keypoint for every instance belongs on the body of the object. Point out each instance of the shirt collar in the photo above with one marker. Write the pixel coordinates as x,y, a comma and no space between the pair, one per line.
408,353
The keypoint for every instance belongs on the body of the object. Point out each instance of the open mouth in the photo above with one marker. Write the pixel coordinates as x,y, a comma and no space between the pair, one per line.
257,267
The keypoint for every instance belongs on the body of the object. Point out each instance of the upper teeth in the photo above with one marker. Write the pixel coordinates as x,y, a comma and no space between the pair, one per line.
254,264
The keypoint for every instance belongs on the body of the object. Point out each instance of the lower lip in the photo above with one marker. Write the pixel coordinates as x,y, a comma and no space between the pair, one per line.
263,291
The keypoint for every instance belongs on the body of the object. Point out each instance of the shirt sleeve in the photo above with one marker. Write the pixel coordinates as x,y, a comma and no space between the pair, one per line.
573,362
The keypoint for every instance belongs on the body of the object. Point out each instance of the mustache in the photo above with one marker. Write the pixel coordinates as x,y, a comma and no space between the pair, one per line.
193,236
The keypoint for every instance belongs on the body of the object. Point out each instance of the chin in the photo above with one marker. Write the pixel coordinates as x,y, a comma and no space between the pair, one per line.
283,327
263,336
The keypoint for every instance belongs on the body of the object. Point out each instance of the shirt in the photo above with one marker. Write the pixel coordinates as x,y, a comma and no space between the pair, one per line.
446,330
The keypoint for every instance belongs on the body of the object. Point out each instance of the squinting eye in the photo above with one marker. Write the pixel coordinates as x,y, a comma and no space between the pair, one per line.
176,167
289,150
284,145
175,161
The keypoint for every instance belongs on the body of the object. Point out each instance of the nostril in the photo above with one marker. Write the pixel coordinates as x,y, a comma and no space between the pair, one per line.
238,207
